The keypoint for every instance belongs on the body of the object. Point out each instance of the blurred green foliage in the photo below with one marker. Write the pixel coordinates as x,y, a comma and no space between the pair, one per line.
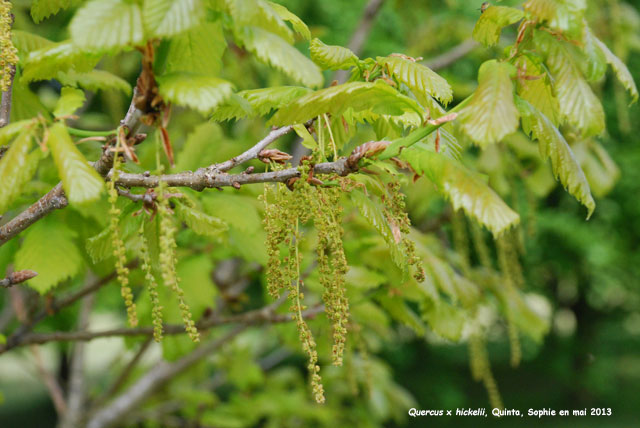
588,271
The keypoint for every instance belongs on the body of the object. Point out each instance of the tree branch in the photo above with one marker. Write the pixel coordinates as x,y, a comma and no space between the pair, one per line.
205,178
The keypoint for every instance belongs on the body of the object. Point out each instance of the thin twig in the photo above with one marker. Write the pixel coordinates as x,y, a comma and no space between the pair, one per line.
54,388
253,152
77,389
126,372
257,317
56,305
17,277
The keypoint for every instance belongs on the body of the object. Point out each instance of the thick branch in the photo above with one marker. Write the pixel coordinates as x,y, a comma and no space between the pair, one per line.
204,178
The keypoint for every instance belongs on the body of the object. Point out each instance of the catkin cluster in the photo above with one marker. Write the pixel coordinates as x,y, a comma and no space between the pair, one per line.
396,213
8,52
117,243
481,370
168,260
285,213
152,287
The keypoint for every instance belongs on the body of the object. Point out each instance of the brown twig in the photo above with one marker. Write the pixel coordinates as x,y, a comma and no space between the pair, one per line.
56,198
17,277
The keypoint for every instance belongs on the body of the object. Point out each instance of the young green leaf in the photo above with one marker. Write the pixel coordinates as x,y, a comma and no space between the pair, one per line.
259,13
376,218
49,249
107,24
275,51
332,57
463,188
624,76
595,65
564,15
13,171
170,17
376,96
259,102
492,21
201,223
538,90
10,131
28,42
419,78
81,182
201,147
48,62
198,50
298,25
42,9
491,115
446,320
202,93
70,100
94,80
307,139
578,104
553,145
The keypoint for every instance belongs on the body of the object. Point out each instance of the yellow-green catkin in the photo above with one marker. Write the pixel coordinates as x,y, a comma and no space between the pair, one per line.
119,250
396,213
152,287
8,52
461,239
481,369
168,261
512,279
332,263
480,245
296,297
